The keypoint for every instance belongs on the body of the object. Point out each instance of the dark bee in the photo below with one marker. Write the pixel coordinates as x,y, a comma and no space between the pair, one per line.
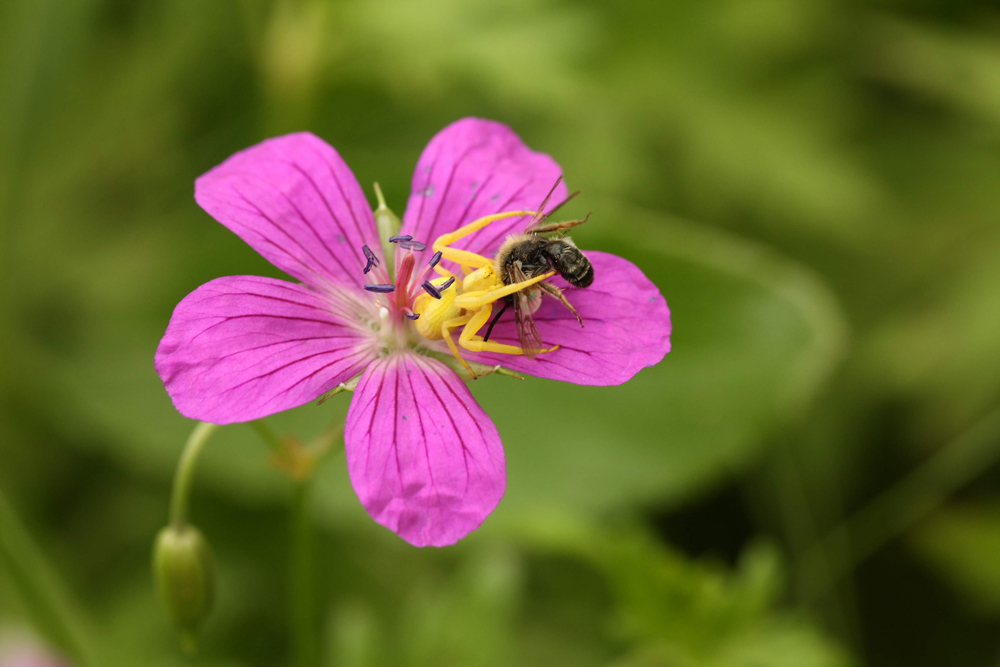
529,255
538,254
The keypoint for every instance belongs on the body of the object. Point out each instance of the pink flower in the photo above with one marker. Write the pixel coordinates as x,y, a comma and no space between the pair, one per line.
423,457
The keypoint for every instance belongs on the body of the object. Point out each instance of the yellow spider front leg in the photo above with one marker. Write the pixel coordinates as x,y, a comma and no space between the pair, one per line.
479,298
446,240
464,257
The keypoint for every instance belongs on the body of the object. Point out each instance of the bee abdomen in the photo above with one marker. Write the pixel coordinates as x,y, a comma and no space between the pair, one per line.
571,264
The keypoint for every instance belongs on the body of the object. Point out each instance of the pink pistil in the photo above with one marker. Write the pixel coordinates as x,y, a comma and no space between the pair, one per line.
409,282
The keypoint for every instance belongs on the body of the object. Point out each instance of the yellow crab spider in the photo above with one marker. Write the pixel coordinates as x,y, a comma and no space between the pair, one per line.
467,303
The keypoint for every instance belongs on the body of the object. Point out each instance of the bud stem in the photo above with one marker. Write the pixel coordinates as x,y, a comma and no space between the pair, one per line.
268,435
185,472
305,640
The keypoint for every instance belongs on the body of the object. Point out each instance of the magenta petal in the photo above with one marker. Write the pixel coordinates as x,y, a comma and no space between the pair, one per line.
626,328
471,169
243,347
424,459
296,202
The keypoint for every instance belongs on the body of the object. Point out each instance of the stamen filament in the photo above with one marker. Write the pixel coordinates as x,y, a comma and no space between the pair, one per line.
381,275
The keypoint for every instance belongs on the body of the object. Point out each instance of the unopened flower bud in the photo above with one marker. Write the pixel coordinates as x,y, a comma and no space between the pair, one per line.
388,225
185,575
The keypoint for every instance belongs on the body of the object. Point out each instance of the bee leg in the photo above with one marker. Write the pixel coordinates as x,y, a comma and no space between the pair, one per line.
479,298
446,334
443,241
559,226
470,341
557,293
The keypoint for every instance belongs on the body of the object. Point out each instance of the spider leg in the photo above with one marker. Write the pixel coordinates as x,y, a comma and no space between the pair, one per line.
479,298
470,341
445,240
446,334
465,258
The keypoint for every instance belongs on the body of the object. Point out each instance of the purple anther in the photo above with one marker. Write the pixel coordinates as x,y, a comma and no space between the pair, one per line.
384,288
415,246
446,284
430,289
396,239
412,316
435,259
370,256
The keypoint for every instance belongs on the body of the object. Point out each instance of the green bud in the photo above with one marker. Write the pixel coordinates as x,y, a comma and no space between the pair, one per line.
185,575
388,226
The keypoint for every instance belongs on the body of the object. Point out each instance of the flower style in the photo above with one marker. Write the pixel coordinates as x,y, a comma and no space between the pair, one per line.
424,458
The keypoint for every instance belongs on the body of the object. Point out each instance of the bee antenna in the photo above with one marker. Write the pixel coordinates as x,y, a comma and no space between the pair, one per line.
560,205
541,215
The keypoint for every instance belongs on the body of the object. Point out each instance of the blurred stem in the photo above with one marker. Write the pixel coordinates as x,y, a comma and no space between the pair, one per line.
267,434
303,463
786,479
185,472
305,642
45,599
905,503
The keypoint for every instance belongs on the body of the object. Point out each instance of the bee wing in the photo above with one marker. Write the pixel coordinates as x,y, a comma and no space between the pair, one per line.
524,307
527,332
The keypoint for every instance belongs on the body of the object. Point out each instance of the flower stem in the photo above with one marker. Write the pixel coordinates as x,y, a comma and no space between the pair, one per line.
185,472
268,435
305,642
301,462
45,600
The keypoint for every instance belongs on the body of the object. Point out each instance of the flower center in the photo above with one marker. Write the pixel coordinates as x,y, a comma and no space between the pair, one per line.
395,299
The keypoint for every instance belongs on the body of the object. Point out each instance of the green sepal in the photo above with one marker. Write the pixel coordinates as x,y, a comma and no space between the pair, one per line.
388,225
350,385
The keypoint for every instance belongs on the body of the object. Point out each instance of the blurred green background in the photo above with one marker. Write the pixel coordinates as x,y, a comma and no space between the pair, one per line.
808,479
